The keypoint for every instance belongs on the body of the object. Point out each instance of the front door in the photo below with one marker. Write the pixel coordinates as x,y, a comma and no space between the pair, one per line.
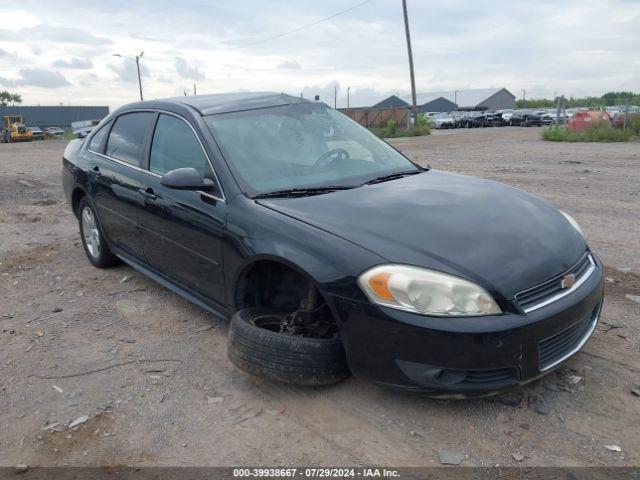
116,179
183,229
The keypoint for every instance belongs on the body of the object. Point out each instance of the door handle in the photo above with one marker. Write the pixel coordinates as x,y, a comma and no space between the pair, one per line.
148,194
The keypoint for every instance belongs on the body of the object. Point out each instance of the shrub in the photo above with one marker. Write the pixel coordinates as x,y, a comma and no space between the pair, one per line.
602,132
391,130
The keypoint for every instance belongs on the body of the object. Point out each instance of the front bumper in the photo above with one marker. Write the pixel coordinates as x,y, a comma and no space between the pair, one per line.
466,357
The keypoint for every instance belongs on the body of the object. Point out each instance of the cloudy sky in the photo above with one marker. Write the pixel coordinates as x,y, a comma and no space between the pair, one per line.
63,53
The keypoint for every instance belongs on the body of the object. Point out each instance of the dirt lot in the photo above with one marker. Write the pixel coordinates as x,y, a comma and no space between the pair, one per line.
150,371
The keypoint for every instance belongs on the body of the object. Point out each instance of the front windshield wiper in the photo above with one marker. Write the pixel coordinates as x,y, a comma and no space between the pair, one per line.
391,176
302,192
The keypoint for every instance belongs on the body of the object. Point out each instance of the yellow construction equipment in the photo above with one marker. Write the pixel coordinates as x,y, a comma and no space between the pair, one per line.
14,130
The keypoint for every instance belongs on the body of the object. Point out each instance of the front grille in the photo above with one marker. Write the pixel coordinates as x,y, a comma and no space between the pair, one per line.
545,293
489,378
564,344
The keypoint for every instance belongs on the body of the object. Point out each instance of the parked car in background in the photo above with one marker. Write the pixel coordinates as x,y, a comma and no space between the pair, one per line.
501,117
474,119
525,118
330,251
36,133
457,117
618,120
546,117
443,120
53,132
82,132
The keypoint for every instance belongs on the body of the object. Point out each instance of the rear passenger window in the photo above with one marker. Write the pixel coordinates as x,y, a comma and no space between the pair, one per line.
96,141
175,146
127,137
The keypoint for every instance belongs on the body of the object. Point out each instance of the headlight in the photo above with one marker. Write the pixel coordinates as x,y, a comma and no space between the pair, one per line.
572,221
426,292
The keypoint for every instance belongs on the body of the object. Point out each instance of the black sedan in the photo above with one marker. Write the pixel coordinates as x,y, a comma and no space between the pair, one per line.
524,118
329,250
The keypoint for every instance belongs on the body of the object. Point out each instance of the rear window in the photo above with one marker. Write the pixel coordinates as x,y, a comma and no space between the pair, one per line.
127,137
95,145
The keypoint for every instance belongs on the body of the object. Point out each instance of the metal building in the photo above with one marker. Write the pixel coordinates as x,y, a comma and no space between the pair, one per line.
474,99
391,102
59,116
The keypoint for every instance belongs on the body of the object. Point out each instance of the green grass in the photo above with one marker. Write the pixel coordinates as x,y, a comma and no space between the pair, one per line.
390,130
603,132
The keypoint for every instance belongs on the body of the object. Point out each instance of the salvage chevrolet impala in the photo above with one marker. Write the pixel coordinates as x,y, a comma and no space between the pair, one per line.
329,250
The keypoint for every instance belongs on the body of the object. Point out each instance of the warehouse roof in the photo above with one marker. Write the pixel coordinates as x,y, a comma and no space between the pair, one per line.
463,98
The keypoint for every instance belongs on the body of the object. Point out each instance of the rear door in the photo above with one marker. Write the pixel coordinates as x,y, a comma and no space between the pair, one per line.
183,229
118,180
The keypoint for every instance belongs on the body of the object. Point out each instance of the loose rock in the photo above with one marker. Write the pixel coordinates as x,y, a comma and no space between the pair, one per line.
633,298
511,399
78,421
447,457
518,457
538,404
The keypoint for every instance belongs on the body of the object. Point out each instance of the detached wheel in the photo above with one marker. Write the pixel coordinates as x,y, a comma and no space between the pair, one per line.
93,241
256,346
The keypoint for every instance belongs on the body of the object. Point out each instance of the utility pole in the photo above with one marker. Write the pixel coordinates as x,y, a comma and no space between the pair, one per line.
335,96
139,77
194,89
137,60
524,97
348,92
414,102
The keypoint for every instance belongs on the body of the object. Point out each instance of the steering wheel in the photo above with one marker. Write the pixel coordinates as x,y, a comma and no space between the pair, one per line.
341,154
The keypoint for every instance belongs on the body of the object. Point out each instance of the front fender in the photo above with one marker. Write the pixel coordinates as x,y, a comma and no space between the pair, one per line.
255,233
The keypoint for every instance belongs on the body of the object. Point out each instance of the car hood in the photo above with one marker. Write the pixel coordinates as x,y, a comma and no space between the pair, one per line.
488,232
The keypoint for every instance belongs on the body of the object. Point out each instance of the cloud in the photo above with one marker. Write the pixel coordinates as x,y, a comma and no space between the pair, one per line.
37,77
78,63
187,71
289,65
5,54
54,34
127,72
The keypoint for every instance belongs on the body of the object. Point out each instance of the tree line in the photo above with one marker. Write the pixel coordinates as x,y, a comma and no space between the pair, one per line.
608,99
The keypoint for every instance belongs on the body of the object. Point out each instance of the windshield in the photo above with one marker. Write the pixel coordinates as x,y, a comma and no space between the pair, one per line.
302,145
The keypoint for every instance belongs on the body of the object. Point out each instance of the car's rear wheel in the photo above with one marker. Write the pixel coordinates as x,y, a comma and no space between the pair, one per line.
93,240
258,345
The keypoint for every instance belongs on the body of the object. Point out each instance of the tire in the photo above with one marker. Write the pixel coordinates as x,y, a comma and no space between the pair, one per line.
92,237
284,358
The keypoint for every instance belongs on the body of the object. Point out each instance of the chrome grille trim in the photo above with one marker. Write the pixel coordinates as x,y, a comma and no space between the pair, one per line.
554,298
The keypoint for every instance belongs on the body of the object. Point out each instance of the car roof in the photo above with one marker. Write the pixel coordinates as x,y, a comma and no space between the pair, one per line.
223,102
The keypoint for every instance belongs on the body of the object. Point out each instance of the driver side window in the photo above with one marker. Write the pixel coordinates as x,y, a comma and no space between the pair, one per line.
174,146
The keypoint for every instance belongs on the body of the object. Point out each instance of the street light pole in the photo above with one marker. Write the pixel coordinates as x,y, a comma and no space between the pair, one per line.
414,102
348,92
137,60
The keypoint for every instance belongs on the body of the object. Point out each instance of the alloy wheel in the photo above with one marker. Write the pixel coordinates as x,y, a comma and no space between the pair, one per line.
90,232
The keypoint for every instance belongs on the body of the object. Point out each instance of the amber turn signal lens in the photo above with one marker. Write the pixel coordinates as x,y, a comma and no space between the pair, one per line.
379,283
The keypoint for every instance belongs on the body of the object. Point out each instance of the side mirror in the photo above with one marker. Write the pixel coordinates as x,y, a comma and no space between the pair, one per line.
185,179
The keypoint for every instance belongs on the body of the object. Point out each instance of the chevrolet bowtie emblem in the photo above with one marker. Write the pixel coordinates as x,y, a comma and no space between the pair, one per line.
568,281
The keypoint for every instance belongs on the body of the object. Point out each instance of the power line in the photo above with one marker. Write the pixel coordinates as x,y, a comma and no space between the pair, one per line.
295,30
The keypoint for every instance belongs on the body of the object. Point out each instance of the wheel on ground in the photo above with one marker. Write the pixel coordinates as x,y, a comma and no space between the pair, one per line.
92,237
257,346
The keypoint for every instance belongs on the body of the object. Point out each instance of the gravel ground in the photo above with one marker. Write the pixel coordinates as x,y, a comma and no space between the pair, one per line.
149,370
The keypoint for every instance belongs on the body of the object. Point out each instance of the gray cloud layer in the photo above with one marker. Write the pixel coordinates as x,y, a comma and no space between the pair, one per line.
37,77
78,63
187,71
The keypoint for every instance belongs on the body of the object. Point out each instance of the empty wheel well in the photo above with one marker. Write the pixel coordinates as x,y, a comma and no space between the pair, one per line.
274,285
76,196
